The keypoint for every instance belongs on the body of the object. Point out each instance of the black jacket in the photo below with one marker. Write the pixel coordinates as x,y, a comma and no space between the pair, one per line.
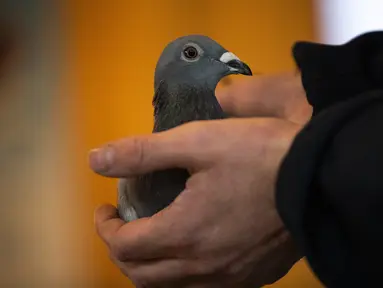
330,186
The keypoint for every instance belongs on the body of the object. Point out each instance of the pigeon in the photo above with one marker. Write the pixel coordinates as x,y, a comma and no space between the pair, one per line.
186,76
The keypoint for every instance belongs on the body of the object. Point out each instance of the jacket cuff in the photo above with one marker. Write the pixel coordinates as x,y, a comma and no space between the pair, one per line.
335,73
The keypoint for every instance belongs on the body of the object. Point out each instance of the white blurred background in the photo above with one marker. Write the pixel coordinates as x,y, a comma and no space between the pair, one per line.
338,21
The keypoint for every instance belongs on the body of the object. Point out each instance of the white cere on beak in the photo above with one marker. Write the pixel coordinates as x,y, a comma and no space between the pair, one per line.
227,57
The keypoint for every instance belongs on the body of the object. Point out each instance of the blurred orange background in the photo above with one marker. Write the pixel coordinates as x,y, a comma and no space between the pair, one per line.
104,91
116,45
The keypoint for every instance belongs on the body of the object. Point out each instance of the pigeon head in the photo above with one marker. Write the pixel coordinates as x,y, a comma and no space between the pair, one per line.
198,61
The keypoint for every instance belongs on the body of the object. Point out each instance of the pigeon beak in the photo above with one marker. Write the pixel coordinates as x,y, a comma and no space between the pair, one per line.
236,66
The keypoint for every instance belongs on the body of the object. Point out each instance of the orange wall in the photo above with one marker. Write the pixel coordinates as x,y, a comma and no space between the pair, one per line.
114,48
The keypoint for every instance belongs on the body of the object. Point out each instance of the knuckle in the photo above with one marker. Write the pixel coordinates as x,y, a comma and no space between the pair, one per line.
202,268
140,151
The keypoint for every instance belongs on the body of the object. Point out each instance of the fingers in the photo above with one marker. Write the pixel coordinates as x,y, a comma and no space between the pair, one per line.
250,96
186,273
266,96
107,222
159,272
142,239
175,148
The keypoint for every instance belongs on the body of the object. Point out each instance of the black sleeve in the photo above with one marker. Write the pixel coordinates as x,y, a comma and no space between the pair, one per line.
330,185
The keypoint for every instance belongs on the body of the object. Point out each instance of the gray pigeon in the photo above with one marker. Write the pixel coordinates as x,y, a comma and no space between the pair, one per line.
186,76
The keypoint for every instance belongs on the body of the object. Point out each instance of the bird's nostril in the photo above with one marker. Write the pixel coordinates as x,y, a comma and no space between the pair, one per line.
235,64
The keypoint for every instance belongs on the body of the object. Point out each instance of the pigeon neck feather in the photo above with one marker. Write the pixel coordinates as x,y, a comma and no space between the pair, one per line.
175,105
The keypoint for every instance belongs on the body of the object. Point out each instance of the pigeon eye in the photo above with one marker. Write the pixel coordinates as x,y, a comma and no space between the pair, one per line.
190,53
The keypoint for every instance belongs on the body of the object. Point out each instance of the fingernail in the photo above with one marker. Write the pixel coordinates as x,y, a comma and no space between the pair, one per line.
101,160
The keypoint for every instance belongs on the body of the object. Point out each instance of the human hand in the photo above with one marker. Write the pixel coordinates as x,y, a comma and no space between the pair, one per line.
223,230
279,95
